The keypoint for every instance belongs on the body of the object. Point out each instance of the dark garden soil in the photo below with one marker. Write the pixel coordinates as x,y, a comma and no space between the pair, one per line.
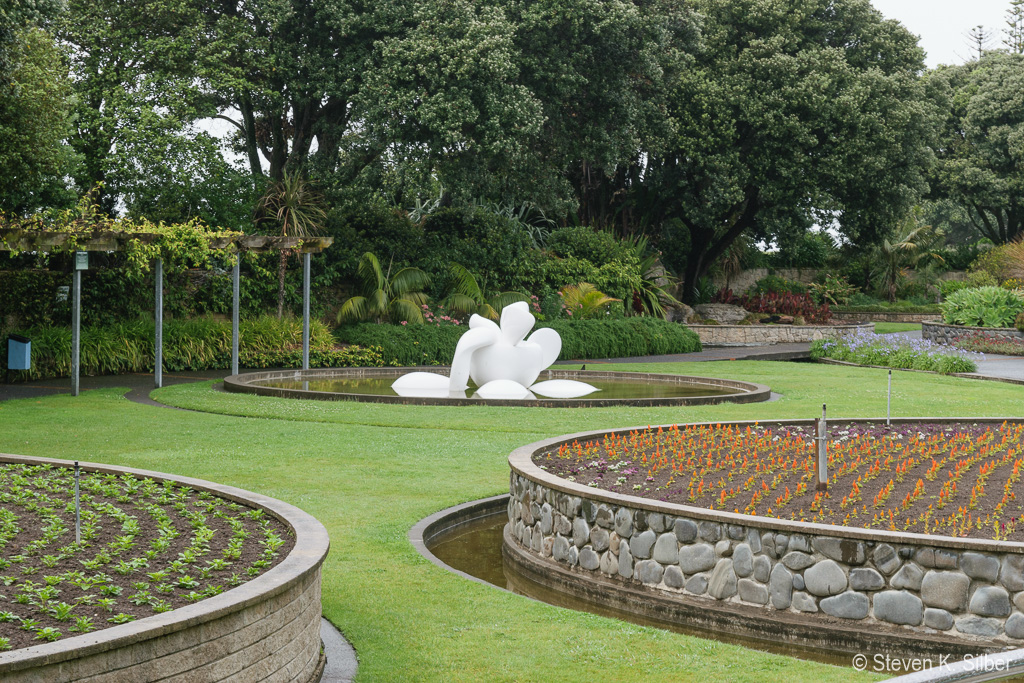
146,548
954,480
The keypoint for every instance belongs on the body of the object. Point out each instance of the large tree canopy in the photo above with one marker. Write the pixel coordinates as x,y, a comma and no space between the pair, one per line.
795,112
495,98
981,153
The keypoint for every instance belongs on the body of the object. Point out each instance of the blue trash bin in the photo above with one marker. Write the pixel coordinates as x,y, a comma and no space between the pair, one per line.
19,352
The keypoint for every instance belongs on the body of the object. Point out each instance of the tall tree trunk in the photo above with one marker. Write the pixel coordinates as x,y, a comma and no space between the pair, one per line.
281,268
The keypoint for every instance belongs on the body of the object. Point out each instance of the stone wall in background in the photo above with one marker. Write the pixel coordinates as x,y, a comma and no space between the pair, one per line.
746,279
764,335
858,316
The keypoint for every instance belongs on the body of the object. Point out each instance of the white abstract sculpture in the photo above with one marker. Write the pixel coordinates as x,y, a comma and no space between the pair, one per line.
502,362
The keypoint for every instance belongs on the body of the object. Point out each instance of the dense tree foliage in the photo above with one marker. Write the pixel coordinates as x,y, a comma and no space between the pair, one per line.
34,109
706,126
793,113
981,153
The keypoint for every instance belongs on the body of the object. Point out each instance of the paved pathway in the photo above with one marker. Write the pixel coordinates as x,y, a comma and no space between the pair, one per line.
992,365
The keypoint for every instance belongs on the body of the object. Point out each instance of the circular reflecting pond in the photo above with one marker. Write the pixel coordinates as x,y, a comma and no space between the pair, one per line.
609,388
614,388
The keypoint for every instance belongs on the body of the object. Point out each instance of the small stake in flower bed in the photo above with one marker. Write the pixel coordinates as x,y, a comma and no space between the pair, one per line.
78,510
888,400
822,462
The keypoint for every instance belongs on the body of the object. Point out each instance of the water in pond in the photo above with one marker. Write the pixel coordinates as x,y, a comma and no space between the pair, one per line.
608,388
475,548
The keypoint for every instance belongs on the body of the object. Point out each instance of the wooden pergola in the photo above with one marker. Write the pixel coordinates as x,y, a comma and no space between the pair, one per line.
43,241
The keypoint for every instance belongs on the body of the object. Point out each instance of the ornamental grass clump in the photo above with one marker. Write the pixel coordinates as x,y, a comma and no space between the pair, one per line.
896,351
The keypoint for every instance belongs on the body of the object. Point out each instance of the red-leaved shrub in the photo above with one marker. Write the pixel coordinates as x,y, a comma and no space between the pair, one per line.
775,303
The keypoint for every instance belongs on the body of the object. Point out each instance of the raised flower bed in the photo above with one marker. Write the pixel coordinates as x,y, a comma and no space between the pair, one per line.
172,576
912,550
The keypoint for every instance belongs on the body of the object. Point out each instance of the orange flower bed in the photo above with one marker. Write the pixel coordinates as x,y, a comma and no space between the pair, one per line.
953,480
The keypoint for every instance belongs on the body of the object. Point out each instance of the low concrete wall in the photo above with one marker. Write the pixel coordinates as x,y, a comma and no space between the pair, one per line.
764,335
941,333
877,587
267,629
854,316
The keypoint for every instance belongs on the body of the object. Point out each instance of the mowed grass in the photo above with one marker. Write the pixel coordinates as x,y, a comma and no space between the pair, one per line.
369,472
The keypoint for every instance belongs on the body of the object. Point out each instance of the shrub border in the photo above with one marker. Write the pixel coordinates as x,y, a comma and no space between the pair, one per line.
299,571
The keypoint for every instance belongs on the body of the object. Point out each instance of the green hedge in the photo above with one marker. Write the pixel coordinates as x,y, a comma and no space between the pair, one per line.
197,344
433,345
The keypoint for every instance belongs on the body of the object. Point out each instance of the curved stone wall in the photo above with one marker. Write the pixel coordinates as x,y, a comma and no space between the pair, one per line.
267,629
941,333
798,578
764,335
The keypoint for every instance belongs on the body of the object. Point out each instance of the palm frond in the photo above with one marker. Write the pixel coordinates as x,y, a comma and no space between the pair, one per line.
503,299
409,280
464,282
404,309
370,273
353,309
461,304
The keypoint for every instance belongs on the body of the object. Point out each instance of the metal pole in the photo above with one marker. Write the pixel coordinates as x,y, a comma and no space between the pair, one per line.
158,315
888,400
822,451
76,324
235,286
305,311
78,511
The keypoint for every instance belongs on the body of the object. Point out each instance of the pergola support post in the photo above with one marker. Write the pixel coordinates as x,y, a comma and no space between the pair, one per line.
236,278
305,310
158,317
76,331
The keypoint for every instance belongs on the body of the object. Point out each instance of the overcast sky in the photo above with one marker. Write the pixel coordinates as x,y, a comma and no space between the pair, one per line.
943,24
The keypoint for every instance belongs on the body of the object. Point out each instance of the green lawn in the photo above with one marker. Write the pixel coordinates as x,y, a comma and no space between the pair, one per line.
369,472
886,328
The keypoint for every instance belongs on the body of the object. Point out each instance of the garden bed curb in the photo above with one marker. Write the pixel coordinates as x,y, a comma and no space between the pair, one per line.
265,629
765,335
876,582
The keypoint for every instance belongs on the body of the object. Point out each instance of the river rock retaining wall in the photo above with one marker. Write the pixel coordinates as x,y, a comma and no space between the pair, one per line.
941,333
969,589
267,629
856,316
764,335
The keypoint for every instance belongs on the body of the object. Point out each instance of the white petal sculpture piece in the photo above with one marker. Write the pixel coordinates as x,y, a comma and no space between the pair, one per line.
500,360
562,388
